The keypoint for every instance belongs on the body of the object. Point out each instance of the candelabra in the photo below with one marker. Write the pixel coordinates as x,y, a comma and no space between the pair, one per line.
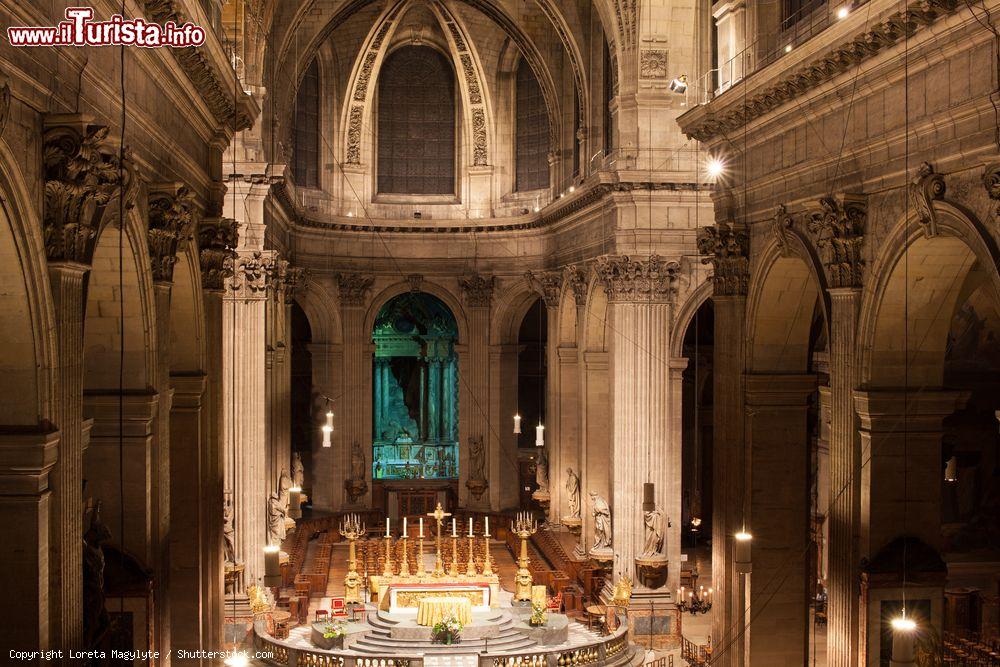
453,570
404,565
352,528
696,602
524,526
387,570
470,566
487,561
418,565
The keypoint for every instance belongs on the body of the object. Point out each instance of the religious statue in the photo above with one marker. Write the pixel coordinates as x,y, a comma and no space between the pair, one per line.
356,485
652,524
298,470
477,482
277,512
602,522
573,493
228,531
95,615
542,471
284,489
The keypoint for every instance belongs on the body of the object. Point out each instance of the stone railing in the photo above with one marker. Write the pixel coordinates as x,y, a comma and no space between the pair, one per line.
282,654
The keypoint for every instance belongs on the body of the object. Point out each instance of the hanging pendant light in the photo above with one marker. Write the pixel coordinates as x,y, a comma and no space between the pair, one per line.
903,641
648,502
272,565
328,429
743,540
951,470
539,435
295,502
517,424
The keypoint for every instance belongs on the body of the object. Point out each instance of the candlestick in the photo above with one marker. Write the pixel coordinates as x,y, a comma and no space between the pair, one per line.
387,570
404,526
470,566
421,526
387,526
453,569
470,526
487,533
453,533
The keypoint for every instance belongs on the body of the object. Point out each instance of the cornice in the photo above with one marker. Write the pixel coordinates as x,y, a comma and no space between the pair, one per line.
704,124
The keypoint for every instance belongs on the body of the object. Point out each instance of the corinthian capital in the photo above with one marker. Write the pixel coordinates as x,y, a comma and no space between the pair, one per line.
726,249
478,290
252,273
577,280
354,288
216,242
839,231
82,175
171,223
548,285
629,280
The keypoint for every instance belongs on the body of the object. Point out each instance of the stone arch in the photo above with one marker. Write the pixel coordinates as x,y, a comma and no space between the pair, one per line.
324,320
27,360
510,310
917,283
432,288
684,316
567,317
187,315
595,323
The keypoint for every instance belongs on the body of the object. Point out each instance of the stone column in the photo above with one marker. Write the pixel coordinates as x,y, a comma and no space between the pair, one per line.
327,472
357,362
25,503
568,400
76,152
243,404
640,295
777,467
595,472
504,494
675,491
216,239
474,400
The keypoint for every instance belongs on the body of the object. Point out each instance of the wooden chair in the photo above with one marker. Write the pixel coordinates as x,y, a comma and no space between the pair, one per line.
338,607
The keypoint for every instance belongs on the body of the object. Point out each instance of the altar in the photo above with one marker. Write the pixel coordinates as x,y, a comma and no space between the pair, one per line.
399,594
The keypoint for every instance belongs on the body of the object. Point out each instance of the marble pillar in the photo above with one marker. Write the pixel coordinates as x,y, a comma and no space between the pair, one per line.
777,472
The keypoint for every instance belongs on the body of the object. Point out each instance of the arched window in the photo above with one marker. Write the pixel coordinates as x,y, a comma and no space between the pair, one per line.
416,123
532,132
305,159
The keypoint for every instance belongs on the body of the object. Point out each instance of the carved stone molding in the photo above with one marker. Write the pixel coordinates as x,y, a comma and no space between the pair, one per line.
991,181
629,280
252,273
727,249
354,135
841,58
354,288
81,179
780,226
548,285
839,231
925,188
216,242
480,155
171,220
478,290
577,280
293,281
653,64
415,280
4,105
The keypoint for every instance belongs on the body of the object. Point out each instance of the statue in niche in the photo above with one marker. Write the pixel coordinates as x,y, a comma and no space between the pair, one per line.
356,485
602,522
277,512
298,470
653,527
95,615
477,482
284,489
573,493
228,531
542,471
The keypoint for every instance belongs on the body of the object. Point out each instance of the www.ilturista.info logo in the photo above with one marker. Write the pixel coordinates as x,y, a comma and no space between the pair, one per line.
79,30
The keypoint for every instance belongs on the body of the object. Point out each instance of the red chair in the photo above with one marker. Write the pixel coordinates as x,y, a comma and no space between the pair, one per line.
338,608
555,603
322,615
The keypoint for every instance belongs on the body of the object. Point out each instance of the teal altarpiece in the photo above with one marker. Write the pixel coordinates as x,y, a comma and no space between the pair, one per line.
415,385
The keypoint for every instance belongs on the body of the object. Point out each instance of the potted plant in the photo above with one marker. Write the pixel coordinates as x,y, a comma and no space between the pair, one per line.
538,616
333,635
446,630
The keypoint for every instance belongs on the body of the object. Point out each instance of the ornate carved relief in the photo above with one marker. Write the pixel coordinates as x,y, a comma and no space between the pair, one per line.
415,280
479,155
569,48
577,281
478,290
292,280
548,285
380,35
628,280
456,35
354,135
171,223
779,229
727,249
925,188
364,76
354,288
216,242
991,181
839,230
475,95
653,64
81,179
252,273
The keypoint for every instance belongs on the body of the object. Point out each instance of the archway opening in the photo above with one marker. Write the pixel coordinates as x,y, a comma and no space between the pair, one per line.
304,416
532,339
415,390
696,453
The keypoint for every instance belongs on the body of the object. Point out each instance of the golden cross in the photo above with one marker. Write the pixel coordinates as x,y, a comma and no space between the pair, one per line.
439,514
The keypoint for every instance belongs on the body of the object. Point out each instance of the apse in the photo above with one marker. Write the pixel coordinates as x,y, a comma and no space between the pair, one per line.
415,384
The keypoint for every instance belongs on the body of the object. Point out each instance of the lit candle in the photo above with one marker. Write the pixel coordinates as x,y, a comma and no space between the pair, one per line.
487,525
470,526
387,526
453,533
421,526
404,526
517,424
539,436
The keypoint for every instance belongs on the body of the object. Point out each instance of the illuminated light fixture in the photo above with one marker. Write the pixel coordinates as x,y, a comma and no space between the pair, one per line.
537,209
272,565
715,167
237,660
903,641
561,195
350,214
517,424
328,429
843,12
680,84
695,522
951,470
648,501
743,540
295,502
539,436
572,188
788,48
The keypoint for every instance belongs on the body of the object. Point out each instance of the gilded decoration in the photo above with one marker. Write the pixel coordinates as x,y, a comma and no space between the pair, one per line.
477,598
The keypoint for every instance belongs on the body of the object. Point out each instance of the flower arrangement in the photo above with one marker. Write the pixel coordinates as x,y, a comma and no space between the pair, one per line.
446,630
538,615
334,630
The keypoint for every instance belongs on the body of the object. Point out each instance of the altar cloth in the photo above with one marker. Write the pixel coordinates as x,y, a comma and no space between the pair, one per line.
434,609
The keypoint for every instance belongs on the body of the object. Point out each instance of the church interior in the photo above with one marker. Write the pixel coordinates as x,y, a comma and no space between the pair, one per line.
503,333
